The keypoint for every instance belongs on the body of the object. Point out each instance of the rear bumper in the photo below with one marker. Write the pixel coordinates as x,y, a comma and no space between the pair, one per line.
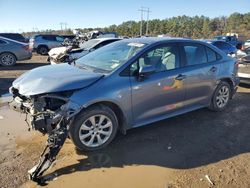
24,56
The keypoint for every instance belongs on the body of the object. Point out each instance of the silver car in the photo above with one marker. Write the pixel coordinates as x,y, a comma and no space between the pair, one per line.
43,43
244,69
126,84
12,51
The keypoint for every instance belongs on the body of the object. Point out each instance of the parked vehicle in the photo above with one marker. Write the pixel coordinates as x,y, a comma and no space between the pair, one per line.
15,36
233,40
12,51
69,54
247,43
224,46
244,69
126,84
43,43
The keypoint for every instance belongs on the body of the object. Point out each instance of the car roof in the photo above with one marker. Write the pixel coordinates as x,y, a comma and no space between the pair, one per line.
46,35
11,40
211,41
151,40
106,39
11,34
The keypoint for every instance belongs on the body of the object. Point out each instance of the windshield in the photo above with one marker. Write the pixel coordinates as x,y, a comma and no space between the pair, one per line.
111,56
220,38
89,44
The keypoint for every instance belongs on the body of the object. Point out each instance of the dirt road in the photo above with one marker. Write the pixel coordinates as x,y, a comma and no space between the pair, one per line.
178,152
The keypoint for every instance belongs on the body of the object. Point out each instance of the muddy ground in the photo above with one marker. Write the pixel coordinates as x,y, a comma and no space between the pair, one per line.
178,152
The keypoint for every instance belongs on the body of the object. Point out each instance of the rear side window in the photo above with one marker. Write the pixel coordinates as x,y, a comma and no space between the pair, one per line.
59,39
211,55
195,54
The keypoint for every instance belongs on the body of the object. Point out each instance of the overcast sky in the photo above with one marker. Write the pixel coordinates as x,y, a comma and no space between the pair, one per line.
27,15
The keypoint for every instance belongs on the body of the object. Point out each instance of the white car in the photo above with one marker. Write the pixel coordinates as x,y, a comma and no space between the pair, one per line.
247,43
66,53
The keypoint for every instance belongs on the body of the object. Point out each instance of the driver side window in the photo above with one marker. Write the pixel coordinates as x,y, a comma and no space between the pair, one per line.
162,58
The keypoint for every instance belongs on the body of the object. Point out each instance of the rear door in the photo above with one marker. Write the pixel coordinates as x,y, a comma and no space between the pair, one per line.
201,70
161,92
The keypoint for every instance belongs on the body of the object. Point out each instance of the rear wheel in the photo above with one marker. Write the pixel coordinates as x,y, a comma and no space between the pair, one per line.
94,128
43,50
221,97
7,59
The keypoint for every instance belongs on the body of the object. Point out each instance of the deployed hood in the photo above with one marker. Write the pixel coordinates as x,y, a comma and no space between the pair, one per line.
54,78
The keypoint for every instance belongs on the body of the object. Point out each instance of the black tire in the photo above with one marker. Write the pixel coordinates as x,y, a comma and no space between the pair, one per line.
83,117
214,106
7,59
43,50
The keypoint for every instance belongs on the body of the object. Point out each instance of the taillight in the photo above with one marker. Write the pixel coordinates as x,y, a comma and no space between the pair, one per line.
26,47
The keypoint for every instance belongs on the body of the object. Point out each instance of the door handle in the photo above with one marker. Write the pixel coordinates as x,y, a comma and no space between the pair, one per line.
180,77
213,69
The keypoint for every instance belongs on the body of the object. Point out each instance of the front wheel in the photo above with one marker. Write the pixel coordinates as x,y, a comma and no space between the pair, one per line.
94,128
221,97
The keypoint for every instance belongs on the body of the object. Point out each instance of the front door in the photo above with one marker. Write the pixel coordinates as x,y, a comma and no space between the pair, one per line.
161,92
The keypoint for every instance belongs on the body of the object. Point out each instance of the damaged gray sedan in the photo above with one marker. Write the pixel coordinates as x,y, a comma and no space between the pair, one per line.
126,84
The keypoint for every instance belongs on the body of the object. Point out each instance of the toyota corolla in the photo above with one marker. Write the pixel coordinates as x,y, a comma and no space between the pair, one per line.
126,84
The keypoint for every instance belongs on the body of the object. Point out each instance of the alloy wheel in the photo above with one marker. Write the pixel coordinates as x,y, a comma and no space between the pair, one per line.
8,59
96,130
222,96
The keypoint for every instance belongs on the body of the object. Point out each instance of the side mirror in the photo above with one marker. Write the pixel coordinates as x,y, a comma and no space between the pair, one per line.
145,71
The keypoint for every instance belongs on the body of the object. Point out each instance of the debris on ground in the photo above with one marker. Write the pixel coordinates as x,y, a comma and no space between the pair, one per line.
209,180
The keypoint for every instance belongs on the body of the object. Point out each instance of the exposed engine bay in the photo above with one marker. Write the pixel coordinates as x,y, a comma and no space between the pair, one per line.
50,114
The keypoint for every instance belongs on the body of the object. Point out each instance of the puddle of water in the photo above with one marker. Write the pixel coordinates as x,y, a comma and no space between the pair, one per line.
12,124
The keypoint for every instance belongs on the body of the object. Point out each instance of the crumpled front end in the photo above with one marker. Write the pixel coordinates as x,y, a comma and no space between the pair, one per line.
44,111
50,114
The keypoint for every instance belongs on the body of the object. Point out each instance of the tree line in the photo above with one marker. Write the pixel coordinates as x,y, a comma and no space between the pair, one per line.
179,26
191,27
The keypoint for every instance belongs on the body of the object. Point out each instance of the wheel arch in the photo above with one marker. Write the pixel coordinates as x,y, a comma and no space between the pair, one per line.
42,45
10,53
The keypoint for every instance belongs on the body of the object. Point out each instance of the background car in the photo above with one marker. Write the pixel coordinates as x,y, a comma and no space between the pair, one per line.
15,36
43,43
66,54
97,43
247,43
226,47
244,69
12,51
